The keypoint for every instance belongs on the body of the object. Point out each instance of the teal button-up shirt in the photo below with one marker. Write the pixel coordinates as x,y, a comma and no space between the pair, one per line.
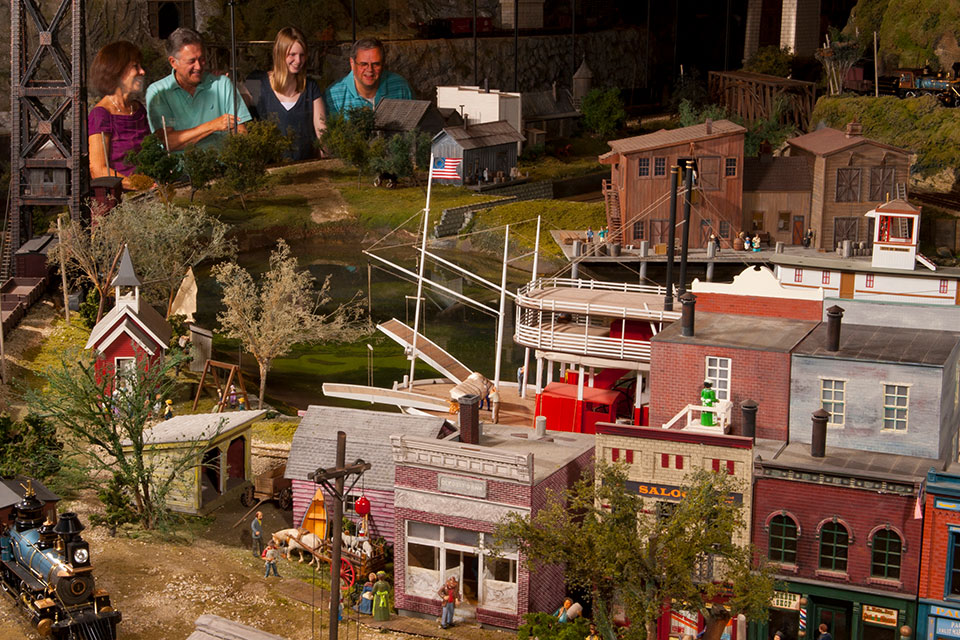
343,95
168,101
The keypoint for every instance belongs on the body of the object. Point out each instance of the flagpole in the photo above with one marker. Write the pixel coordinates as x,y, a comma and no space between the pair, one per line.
423,260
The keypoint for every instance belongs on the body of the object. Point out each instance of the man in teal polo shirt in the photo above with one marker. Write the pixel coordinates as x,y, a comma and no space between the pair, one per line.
191,106
367,83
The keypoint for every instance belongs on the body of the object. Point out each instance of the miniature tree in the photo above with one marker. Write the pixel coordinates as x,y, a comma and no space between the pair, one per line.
271,316
202,166
245,157
29,446
164,240
768,129
840,53
619,552
771,60
108,421
400,155
348,136
603,111
153,160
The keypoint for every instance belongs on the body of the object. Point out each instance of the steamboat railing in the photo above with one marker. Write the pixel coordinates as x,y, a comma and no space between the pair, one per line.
610,310
538,337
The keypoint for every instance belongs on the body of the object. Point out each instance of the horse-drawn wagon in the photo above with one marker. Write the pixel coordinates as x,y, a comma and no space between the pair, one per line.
270,485
358,556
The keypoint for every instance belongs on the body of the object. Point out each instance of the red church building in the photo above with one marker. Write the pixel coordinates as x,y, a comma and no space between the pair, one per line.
131,331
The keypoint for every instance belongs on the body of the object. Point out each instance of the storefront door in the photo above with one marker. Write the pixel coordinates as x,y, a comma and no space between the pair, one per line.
468,572
837,619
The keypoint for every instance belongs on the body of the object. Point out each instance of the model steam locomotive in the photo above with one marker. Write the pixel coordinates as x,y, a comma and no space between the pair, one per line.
917,82
46,568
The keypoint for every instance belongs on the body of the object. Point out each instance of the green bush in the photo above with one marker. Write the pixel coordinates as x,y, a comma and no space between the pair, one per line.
348,136
544,626
245,157
30,447
202,166
772,60
89,308
603,111
153,160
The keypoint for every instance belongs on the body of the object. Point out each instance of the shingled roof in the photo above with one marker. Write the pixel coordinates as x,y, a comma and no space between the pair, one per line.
479,136
827,141
673,137
542,105
399,115
368,437
784,173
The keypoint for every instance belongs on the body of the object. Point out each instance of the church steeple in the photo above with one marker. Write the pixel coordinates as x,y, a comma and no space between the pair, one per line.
127,277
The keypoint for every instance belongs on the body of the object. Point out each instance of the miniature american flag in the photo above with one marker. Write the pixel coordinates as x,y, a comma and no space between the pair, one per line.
446,168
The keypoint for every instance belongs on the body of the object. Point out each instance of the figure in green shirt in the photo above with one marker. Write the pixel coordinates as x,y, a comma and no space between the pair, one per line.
708,398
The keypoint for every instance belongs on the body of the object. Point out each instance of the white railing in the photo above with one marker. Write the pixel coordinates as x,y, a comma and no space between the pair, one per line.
643,312
592,285
599,346
722,412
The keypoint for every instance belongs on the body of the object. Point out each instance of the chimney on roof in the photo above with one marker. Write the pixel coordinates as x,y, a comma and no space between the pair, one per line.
818,439
470,419
834,318
486,85
689,301
540,431
748,408
854,129
709,125
765,152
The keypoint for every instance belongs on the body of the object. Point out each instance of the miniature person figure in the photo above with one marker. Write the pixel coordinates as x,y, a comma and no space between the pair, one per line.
233,396
191,106
495,399
824,633
708,398
561,614
520,372
168,411
808,238
716,242
381,598
368,82
271,560
589,234
242,403
450,597
603,234
256,532
365,606
593,635
779,636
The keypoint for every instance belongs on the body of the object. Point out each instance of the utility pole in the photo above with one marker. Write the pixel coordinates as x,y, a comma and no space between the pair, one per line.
337,475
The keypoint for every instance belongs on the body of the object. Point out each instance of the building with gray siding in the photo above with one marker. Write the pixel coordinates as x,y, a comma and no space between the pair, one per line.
492,146
889,390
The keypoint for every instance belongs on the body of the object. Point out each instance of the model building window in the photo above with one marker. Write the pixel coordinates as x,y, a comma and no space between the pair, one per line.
659,167
953,568
730,168
895,400
834,541
798,275
718,373
422,556
644,164
887,550
350,504
869,281
783,536
825,277
724,229
638,230
848,185
164,16
944,286
833,400
664,510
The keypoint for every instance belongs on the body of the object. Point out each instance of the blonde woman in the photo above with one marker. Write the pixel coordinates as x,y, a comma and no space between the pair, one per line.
290,98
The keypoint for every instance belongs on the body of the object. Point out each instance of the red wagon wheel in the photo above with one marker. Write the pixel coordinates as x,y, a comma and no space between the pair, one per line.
347,574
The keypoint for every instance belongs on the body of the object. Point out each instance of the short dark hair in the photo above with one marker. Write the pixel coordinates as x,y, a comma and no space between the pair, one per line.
363,44
110,63
180,38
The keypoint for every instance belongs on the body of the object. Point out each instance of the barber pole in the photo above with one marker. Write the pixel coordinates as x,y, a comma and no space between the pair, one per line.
803,622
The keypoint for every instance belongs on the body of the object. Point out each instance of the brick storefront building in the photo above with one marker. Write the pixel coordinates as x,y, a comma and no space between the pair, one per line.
449,496
745,357
938,616
843,533
659,462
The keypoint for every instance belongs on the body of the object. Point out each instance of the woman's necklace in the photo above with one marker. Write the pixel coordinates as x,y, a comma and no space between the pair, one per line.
116,104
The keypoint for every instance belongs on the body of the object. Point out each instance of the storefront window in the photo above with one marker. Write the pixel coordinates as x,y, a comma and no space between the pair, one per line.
953,577
423,557
423,530
460,536
500,569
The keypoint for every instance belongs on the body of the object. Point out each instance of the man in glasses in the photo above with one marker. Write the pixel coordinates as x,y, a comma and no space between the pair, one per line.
367,83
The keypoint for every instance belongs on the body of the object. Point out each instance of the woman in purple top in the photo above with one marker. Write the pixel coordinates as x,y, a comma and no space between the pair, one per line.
118,123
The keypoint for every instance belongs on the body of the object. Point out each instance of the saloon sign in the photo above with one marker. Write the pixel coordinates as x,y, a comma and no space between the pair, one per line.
666,491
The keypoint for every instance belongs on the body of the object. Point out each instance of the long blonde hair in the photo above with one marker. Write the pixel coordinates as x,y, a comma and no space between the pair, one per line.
285,39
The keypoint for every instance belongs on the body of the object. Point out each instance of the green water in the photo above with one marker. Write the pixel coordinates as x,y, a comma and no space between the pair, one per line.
296,380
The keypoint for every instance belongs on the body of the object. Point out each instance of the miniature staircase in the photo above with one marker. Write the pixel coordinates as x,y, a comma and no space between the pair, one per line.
901,191
611,198
6,256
